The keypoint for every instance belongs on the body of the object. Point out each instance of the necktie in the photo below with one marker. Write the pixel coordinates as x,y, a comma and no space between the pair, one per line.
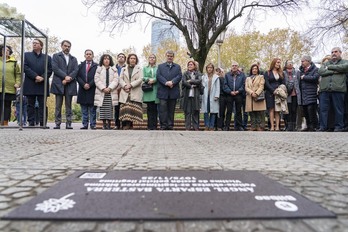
88,67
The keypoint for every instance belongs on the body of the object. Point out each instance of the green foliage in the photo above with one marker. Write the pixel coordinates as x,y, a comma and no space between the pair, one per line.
76,108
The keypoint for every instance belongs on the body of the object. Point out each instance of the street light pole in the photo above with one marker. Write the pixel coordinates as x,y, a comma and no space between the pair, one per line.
219,41
219,57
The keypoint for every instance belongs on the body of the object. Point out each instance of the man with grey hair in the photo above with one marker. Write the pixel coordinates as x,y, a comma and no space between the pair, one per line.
168,76
333,87
309,79
234,87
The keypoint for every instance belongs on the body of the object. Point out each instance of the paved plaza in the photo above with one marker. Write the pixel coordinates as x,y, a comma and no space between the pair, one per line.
312,164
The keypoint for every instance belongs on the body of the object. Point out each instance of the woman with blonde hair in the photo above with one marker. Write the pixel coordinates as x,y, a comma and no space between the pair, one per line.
12,82
273,78
210,97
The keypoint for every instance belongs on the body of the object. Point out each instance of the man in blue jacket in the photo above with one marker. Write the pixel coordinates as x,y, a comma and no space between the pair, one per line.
168,76
234,87
34,83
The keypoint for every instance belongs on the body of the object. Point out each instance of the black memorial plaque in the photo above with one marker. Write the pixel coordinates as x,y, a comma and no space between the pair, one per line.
166,195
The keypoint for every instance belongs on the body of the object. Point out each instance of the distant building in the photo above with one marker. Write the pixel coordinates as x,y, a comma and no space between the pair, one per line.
161,31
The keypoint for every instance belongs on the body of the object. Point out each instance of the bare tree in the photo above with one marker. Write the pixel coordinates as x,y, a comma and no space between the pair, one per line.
200,21
331,23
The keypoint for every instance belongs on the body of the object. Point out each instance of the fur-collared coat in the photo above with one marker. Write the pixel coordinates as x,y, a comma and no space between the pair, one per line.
254,85
136,93
100,83
280,97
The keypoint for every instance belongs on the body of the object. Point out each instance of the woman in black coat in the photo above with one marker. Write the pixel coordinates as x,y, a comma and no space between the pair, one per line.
273,78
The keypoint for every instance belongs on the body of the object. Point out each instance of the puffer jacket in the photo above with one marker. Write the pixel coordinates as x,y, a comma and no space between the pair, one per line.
309,84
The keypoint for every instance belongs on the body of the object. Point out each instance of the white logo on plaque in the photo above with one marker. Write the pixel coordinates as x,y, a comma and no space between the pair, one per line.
54,205
286,206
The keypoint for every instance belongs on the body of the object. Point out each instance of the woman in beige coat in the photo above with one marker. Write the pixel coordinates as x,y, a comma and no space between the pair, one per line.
106,97
254,86
131,94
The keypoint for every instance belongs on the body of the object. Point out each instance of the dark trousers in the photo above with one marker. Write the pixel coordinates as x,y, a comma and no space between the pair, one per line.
117,115
292,116
310,113
222,111
7,110
337,101
166,114
237,100
68,110
31,109
151,111
89,115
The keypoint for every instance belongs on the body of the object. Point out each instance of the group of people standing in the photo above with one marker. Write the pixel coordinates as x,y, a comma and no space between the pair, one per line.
116,90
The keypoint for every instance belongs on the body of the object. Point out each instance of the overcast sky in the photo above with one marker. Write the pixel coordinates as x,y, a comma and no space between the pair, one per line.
69,19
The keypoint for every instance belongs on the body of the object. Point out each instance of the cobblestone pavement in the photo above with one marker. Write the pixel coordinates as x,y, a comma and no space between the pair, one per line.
312,164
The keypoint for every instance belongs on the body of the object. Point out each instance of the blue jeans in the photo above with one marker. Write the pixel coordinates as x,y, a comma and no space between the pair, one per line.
337,105
24,112
209,118
89,112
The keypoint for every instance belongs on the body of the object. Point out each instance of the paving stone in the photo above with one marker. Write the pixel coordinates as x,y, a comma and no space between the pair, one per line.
301,162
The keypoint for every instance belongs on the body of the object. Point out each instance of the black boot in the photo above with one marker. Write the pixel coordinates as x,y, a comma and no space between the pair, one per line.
109,125
68,126
104,124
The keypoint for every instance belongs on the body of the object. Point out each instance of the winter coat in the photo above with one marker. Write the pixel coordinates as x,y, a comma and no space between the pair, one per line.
86,97
187,84
333,76
150,73
136,93
214,94
234,84
293,83
281,104
61,70
34,65
166,73
254,85
271,84
309,85
12,75
100,83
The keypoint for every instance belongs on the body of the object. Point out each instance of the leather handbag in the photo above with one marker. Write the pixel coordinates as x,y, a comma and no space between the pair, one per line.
146,87
261,97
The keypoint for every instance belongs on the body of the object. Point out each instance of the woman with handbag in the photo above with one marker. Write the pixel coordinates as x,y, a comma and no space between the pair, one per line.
255,102
150,94
191,88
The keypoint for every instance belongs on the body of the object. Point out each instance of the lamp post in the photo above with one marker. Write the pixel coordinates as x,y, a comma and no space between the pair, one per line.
219,41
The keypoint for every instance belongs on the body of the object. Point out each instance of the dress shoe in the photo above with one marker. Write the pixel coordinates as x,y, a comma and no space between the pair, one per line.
84,128
56,127
93,128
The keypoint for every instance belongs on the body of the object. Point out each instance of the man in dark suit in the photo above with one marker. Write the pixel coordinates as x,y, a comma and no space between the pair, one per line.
34,83
168,76
64,85
85,96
